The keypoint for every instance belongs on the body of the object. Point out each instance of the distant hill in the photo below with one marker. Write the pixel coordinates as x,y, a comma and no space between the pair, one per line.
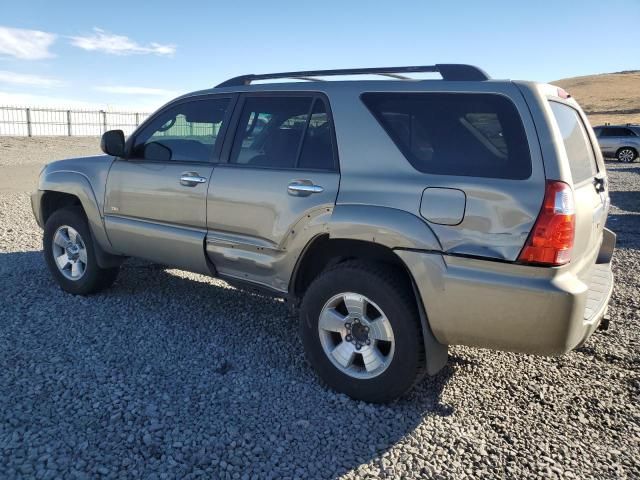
608,97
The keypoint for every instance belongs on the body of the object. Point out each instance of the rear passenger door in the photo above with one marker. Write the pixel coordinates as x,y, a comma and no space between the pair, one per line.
278,182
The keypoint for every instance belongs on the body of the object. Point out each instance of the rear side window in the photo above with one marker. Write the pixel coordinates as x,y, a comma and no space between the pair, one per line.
465,134
284,132
582,161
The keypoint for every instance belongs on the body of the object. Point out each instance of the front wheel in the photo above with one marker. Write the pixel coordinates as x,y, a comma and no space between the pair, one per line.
626,155
361,331
70,253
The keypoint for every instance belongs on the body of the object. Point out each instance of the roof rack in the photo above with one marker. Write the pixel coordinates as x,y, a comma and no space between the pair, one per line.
449,71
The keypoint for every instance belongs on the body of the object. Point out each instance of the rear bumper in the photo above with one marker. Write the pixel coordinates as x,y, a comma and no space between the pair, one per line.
511,307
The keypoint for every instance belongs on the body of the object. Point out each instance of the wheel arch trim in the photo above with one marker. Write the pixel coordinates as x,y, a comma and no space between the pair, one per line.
389,227
78,185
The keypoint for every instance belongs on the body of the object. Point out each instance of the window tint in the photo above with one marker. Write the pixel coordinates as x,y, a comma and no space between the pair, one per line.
478,135
582,162
317,152
185,132
271,131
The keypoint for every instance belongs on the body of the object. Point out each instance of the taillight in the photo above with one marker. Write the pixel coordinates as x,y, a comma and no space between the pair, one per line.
551,240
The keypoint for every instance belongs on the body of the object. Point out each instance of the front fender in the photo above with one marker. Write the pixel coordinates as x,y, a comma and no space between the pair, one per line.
386,226
78,185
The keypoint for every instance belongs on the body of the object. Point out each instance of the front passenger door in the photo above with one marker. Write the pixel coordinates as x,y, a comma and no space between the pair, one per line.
155,205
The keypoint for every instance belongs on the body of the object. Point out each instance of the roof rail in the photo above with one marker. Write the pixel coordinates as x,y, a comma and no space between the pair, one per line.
449,71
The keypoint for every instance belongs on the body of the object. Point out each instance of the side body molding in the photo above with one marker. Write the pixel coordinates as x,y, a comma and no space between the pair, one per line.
386,226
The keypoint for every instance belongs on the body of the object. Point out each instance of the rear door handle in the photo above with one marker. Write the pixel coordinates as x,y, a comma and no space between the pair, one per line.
303,188
191,179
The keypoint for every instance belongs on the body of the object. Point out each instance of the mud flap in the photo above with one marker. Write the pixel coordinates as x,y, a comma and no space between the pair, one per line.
436,354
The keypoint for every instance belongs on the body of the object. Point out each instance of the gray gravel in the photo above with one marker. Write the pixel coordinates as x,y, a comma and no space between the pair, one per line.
175,375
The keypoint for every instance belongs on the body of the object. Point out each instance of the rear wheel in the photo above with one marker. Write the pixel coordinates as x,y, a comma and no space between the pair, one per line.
361,331
626,155
70,253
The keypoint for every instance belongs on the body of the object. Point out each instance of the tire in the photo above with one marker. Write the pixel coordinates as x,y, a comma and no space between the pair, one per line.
80,274
626,155
385,291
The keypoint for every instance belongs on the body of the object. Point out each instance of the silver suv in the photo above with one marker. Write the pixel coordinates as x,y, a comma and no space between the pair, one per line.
400,215
619,141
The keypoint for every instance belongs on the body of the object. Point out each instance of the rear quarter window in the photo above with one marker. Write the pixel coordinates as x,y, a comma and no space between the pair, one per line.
582,161
465,134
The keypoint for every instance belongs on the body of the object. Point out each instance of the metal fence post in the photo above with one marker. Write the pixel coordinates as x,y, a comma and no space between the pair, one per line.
104,120
28,110
69,122
137,119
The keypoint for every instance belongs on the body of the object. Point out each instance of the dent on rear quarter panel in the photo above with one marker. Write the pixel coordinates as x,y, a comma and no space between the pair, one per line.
499,213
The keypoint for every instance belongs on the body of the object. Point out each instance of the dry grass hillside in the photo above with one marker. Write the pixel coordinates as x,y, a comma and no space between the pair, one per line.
608,97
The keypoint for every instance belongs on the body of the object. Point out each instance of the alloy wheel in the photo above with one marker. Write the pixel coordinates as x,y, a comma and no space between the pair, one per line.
69,252
626,155
356,335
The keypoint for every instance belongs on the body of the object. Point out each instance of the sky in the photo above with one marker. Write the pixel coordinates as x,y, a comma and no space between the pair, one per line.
138,55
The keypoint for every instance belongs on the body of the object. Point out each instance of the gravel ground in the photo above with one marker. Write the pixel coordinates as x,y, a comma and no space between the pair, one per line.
175,375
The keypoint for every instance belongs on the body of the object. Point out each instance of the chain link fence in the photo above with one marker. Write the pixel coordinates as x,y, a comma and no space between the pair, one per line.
36,121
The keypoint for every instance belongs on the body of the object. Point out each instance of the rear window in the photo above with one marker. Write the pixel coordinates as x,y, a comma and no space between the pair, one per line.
582,161
466,134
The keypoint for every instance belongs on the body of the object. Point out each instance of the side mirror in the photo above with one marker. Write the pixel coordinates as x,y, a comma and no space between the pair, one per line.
112,143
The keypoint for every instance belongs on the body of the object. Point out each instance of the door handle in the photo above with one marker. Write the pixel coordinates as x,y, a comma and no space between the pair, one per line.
191,179
303,188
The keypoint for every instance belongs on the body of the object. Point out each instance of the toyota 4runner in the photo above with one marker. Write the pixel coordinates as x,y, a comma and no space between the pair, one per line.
400,215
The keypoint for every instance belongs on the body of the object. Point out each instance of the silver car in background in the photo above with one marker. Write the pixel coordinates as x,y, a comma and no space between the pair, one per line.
619,141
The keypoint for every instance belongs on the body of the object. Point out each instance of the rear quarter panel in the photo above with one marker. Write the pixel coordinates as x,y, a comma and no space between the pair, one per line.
499,213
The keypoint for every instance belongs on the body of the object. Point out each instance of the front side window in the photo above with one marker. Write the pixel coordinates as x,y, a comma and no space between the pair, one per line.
185,132
283,132
478,135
